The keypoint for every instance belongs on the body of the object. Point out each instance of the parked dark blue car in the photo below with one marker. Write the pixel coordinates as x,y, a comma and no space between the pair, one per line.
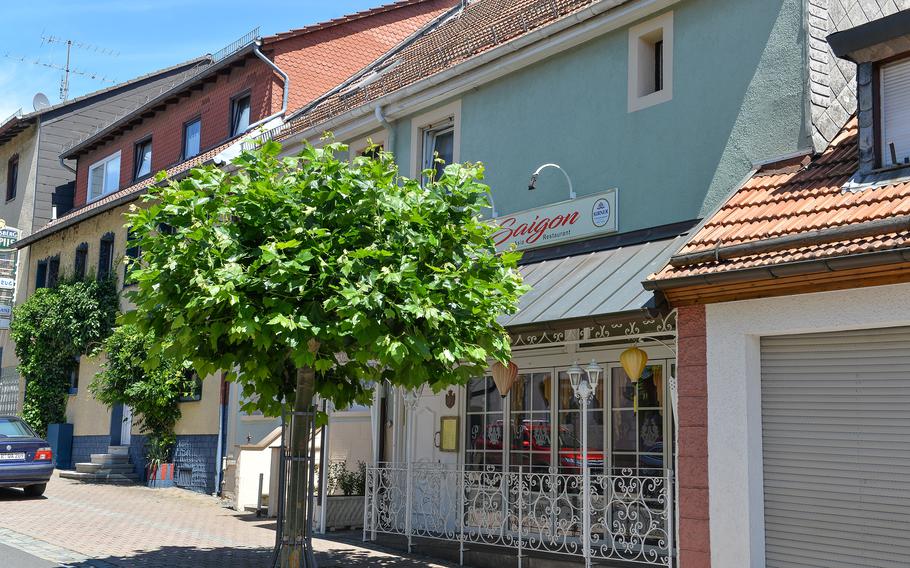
26,460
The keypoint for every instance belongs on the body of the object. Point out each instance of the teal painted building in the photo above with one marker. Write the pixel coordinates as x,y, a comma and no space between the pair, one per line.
672,103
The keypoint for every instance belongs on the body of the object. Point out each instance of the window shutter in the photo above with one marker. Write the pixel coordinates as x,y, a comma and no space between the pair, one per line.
105,255
895,110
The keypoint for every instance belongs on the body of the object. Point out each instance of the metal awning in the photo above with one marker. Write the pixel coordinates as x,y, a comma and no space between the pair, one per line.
593,284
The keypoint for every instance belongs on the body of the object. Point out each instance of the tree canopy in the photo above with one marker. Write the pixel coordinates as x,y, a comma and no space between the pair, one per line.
315,261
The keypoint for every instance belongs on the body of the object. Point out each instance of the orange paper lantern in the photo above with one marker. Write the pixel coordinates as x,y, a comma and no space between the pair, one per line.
504,376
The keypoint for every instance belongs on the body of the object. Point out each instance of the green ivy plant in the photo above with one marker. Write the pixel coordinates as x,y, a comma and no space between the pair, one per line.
51,329
152,393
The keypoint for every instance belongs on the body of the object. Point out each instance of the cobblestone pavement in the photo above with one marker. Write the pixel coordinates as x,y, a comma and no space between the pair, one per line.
103,526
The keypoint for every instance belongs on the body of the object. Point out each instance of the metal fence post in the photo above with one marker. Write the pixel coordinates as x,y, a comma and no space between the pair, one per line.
461,513
520,509
671,513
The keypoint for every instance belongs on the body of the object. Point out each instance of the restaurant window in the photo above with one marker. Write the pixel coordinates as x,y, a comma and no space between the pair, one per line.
439,147
104,177
541,420
142,166
485,428
81,261
12,177
894,110
638,437
105,256
192,138
240,115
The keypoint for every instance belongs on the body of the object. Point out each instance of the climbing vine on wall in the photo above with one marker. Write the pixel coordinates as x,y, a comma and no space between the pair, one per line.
51,329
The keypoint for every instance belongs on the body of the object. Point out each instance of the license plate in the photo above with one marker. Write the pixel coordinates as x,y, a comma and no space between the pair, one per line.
10,457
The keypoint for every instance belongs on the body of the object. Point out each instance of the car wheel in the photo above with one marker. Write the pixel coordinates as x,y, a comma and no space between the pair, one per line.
35,490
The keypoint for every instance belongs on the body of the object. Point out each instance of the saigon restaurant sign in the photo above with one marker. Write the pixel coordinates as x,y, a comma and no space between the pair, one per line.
564,221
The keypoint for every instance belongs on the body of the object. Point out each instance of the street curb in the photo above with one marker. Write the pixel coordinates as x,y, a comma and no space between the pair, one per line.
50,552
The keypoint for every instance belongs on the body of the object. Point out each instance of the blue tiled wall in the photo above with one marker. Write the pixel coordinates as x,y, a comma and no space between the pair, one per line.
85,446
194,454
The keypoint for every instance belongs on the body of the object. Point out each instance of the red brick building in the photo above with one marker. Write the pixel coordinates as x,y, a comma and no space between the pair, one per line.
255,82
240,87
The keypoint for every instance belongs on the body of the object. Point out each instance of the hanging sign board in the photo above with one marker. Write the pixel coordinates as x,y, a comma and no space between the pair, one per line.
556,223
8,236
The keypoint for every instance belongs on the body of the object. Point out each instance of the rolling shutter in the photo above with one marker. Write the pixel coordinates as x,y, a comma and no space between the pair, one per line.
895,110
836,449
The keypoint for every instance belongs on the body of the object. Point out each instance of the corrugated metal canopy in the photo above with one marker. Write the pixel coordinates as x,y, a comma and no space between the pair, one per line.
592,284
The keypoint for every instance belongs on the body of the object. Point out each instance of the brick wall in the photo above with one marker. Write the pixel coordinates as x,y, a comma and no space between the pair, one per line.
212,103
692,376
318,61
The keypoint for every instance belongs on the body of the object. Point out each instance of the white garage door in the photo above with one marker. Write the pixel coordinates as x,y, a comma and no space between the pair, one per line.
836,446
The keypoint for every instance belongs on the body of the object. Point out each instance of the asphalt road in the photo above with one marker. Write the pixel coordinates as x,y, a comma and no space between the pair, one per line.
15,558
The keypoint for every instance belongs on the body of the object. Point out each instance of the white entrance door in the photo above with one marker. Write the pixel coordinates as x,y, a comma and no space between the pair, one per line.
126,426
426,437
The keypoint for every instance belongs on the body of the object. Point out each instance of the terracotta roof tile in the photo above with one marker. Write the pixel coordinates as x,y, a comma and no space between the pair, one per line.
797,196
480,26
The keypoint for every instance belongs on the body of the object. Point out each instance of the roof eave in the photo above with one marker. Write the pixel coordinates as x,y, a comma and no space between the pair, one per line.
611,13
86,144
773,272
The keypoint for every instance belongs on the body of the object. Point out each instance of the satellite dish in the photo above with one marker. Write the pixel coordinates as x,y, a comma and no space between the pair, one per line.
40,101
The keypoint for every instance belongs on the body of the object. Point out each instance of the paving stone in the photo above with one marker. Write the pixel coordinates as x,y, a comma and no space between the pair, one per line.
82,525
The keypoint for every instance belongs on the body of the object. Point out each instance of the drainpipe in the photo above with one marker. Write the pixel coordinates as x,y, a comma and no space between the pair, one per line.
284,95
65,165
389,127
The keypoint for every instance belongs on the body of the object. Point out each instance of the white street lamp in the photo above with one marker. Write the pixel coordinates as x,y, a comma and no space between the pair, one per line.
584,385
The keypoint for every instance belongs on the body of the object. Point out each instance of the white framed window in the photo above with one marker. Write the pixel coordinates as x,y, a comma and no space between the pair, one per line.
651,62
894,101
104,177
436,133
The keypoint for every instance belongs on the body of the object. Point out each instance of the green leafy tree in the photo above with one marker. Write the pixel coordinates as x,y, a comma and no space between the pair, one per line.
313,274
152,393
51,329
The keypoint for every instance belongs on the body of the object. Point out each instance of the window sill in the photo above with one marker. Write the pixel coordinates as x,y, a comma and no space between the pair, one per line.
651,99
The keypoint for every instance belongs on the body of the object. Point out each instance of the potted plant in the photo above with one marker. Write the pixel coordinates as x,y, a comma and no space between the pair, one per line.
159,470
345,510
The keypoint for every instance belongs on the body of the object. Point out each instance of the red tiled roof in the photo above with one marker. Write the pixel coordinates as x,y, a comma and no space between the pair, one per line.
121,196
340,20
480,26
800,196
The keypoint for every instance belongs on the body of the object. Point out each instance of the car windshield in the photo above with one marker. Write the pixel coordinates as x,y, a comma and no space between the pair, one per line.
12,428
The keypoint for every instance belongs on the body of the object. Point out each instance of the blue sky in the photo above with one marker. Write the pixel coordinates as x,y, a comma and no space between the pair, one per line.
147,34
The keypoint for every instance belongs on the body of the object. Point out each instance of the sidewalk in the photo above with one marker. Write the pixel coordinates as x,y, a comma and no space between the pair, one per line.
101,526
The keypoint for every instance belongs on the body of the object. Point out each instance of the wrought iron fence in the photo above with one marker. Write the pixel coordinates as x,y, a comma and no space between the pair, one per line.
630,516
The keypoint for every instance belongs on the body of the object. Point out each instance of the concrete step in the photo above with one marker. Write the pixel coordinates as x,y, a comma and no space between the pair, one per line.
110,458
119,450
113,478
87,467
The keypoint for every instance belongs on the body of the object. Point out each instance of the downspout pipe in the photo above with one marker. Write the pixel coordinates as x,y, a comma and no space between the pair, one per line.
287,86
65,165
389,127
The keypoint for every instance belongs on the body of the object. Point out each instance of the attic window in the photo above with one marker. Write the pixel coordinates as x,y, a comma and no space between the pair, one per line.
651,62
894,92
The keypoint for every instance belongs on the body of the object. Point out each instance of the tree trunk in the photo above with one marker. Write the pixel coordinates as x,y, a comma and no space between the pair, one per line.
296,551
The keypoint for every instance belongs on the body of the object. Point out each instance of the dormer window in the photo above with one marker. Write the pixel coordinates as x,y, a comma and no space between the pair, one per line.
894,112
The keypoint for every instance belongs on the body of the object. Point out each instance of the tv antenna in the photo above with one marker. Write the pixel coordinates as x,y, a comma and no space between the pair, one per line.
67,67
